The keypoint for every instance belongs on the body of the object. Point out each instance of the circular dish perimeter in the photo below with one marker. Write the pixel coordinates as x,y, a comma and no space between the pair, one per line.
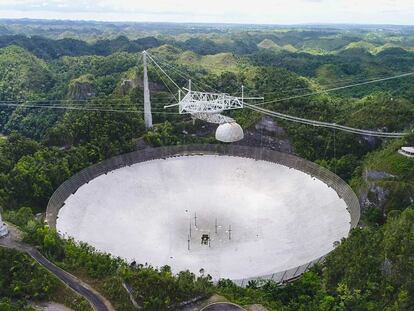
260,217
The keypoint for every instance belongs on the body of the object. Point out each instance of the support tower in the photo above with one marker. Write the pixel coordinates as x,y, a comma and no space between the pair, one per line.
147,99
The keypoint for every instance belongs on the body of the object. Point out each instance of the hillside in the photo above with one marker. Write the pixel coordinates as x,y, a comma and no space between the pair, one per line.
270,45
77,99
387,182
23,74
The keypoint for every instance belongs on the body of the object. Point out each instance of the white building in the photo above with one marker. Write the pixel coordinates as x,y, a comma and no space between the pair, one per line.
407,151
3,228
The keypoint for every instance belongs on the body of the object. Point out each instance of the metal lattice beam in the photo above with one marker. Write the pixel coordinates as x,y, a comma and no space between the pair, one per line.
200,102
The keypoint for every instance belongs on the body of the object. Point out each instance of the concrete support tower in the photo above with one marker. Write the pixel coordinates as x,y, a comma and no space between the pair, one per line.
3,228
147,99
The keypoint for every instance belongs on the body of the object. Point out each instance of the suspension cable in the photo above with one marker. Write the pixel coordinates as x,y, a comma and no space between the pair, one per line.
326,124
166,85
323,124
93,105
82,108
325,85
32,104
185,75
156,64
337,88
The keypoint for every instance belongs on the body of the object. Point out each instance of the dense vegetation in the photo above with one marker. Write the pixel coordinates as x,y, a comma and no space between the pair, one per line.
23,280
368,271
153,289
88,76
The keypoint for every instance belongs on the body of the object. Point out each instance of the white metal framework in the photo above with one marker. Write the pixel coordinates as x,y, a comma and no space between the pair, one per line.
208,106
208,103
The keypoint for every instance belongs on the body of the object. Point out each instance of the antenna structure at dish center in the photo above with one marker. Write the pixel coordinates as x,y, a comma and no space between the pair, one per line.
204,106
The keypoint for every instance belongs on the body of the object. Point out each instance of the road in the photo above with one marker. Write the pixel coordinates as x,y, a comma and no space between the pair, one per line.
97,301
222,306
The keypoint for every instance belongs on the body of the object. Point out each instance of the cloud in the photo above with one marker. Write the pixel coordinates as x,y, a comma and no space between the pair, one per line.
56,6
257,11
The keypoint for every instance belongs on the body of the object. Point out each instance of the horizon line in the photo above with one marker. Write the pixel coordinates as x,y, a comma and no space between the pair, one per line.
205,23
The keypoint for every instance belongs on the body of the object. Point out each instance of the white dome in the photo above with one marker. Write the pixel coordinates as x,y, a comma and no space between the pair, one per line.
229,132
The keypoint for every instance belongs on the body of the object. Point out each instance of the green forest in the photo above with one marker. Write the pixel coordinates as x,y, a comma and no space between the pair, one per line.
71,96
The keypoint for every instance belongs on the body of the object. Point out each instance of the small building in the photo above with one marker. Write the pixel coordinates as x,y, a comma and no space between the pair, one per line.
3,228
407,151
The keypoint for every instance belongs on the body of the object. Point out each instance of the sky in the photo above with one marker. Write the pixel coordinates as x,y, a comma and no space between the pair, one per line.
399,12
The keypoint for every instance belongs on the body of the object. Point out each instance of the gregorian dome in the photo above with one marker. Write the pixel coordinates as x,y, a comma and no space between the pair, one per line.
229,132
